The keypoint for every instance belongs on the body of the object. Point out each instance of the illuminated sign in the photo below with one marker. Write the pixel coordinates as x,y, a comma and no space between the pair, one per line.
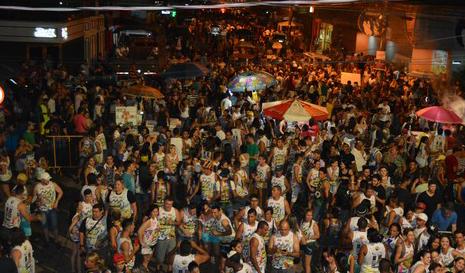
166,12
2,95
64,32
41,32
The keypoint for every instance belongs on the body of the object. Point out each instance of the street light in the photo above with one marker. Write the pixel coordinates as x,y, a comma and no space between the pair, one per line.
311,9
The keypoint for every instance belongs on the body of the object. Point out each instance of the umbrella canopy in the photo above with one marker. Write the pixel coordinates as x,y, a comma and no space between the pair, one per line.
294,110
439,114
185,71
144,91
251,81
277,45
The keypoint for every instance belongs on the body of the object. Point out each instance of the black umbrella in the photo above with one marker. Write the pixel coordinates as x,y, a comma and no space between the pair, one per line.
185,71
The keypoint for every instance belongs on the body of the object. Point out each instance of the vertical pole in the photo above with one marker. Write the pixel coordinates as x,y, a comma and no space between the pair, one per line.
54,153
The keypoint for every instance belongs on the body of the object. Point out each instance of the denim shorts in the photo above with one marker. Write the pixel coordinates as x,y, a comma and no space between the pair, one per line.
49,219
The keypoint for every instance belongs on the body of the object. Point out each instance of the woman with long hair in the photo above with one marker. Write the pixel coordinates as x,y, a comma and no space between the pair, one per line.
393,237
422,265
310,235
148,234
405,251
445,253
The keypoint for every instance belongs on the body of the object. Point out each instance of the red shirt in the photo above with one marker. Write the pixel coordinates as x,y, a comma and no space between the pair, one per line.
80,124
451,164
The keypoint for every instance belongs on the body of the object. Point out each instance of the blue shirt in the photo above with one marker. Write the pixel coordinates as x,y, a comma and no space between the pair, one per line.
442,222
129,182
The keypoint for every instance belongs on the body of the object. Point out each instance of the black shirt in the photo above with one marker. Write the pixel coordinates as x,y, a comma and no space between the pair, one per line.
7,265
404,196
430,201
348,159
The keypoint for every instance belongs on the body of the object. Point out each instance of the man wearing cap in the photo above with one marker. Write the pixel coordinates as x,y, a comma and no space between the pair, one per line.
421,231
226,192
207,182
47,195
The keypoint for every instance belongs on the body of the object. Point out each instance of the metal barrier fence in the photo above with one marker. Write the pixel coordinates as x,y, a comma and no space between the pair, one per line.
64,151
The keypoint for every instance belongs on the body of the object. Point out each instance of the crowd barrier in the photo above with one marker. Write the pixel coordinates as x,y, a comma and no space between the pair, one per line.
64,151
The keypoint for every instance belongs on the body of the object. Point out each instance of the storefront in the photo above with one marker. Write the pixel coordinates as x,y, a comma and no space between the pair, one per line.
76,40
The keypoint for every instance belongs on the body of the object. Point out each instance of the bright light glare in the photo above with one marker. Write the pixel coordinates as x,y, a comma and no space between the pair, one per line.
40,32
64,32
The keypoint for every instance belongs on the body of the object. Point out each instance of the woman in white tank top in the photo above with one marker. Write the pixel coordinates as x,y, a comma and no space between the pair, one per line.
445,253
23,257
405,251
422,266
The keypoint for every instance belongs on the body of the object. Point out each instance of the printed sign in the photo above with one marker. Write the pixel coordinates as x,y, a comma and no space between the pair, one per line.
127,115
352,77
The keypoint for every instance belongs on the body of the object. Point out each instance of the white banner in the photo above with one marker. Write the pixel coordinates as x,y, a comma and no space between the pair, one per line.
352,77
127,115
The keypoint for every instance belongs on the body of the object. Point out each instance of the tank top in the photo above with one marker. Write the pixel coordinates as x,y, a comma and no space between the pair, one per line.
307,230
152,232
161,191
86,210
417,264
375,252
121,202
167,230
262,172
241,183
181,263
96,233
283,243
353,223
207,185
12,217
279,157
359,238
408,249
27,261
159,160
189,222
247,233
460,250
219,227
279,181
446,258
261,252
279,211
46,196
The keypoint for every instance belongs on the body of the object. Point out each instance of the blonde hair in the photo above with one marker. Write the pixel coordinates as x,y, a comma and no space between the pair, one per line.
96,259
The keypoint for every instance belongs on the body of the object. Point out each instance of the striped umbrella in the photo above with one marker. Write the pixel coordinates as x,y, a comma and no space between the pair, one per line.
294,110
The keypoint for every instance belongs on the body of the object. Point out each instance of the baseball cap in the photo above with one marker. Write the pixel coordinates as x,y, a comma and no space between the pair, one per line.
21,177
45,176
118,258
421,205
422,216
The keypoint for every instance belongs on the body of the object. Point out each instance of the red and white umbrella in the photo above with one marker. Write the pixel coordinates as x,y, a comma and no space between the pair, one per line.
439,114
294,110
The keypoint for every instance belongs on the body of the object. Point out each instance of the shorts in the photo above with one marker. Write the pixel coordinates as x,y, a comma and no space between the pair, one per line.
261,185
49,219
26,227
309,248
146,250
224,249
163,247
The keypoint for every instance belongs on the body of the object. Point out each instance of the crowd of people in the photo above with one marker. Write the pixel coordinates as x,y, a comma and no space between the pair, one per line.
219,186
